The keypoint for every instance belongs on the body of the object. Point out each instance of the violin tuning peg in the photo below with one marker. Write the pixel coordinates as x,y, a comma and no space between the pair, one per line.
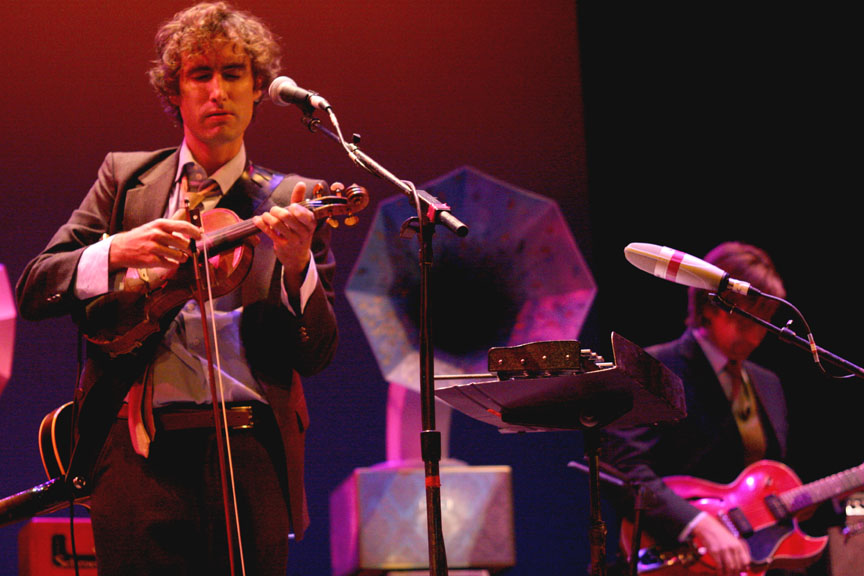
317,191
333,222
351,220
337,188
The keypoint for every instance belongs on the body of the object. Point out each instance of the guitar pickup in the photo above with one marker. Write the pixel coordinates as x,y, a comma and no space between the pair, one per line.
739,520
776,507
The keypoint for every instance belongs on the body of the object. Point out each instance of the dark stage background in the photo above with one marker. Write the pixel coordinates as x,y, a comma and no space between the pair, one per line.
682,125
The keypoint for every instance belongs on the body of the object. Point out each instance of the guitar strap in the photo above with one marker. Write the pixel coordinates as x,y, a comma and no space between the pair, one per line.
250,195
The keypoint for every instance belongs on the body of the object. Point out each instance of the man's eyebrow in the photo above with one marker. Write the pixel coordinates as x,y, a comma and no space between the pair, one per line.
199,68
241,65
206,67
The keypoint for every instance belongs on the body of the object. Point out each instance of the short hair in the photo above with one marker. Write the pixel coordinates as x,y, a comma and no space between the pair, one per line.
742,262
194,30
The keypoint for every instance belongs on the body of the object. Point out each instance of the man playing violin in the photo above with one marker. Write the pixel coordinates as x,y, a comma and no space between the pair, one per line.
157,478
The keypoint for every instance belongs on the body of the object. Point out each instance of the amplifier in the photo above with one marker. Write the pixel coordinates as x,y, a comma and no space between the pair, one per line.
846,544
378,520
45,549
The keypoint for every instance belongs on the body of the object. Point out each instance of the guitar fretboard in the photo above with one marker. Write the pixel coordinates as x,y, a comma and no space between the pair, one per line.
807,495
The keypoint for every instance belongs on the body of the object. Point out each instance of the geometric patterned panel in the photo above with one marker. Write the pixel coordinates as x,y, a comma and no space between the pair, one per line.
378,519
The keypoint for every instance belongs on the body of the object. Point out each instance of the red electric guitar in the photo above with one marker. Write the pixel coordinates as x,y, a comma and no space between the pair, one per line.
762,506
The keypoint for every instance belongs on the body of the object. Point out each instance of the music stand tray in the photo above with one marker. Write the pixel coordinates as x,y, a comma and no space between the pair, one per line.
636,390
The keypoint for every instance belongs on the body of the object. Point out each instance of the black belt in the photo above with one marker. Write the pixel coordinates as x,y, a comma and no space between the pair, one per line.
188,417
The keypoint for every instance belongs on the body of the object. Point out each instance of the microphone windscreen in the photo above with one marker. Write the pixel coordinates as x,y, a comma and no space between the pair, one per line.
673,265
276,87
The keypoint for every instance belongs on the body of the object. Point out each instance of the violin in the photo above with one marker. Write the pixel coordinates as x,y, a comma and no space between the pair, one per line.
119,322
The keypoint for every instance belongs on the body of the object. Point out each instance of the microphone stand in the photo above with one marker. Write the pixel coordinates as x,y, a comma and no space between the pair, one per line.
597,471
430,211
785,334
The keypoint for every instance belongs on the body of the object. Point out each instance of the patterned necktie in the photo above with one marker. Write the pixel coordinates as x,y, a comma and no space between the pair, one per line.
196,186
743,402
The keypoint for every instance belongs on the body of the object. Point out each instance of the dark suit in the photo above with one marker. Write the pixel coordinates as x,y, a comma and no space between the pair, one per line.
706,444
132,189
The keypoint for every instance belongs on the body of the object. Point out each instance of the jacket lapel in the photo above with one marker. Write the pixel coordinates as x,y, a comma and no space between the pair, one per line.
149,199
773,409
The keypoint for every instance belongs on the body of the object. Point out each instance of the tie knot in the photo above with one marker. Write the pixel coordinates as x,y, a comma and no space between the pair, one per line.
197,186
195,176
733,367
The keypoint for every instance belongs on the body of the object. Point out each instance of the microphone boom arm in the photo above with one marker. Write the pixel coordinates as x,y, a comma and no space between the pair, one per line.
785,334
436,211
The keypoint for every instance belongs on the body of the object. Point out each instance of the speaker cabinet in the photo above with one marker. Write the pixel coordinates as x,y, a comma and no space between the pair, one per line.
45,549
846,544
378,520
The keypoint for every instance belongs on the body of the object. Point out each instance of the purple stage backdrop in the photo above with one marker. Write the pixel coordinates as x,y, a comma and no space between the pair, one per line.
683,127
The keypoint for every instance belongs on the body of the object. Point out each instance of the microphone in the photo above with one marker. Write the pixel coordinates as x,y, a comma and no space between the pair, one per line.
284,92
681,268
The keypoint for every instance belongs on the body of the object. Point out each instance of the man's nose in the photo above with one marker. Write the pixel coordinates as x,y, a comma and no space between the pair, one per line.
217,88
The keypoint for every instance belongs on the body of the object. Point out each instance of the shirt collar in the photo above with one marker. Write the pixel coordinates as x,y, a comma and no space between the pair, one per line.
225,176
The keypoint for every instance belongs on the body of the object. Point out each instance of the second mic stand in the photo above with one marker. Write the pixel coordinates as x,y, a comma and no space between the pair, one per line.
430,211
785,334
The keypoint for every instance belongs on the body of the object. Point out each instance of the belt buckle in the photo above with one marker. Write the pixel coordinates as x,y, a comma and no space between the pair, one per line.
243,411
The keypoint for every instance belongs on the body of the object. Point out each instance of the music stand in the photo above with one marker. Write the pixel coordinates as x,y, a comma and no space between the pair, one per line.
586,401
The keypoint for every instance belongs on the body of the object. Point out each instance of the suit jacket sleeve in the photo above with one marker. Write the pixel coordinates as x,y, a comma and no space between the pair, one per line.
665,513
46,287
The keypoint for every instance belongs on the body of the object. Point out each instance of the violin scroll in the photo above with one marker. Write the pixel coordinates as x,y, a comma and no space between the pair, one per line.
340,201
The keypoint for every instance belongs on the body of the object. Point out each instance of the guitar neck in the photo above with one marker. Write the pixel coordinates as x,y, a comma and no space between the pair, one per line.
48,497
807,495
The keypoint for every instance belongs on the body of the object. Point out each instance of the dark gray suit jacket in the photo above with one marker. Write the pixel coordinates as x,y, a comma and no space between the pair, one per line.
132,189
706,444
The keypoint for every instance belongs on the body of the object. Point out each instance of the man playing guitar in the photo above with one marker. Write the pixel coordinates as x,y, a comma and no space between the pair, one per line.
736,412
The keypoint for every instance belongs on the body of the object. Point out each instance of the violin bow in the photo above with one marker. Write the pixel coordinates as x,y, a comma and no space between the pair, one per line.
223,443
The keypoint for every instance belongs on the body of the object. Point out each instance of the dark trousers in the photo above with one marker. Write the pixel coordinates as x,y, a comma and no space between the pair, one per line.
164,514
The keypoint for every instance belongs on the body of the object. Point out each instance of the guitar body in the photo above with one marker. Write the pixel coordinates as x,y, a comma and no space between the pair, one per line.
56,444
55,440
774,543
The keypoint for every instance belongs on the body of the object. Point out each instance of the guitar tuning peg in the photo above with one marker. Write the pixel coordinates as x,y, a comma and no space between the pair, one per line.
351,220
